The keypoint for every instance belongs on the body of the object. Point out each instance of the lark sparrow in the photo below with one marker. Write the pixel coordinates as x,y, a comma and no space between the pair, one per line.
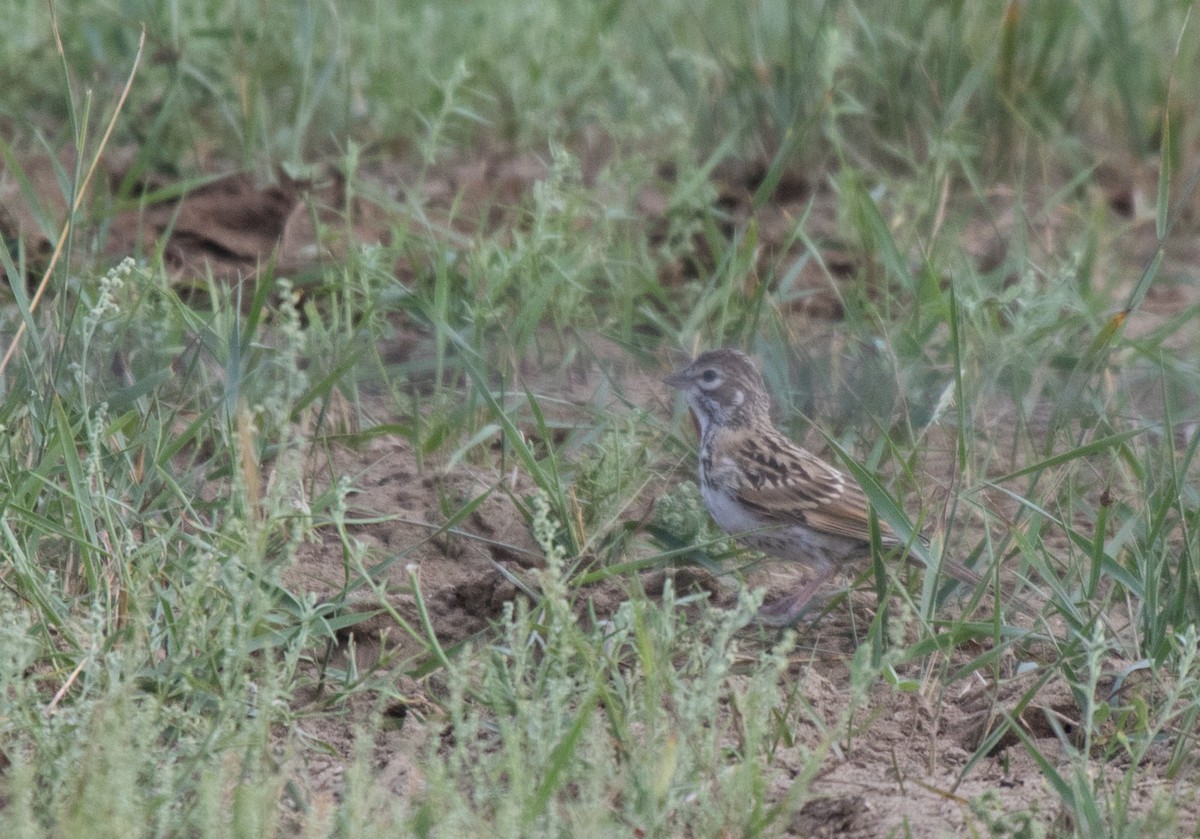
772,494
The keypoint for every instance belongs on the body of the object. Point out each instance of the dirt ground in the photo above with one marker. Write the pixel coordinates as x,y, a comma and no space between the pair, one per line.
903,767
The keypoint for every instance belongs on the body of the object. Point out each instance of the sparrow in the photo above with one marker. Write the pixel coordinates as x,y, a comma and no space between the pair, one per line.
770,493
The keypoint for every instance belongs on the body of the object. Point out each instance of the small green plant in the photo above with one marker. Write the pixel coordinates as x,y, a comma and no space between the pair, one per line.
639,722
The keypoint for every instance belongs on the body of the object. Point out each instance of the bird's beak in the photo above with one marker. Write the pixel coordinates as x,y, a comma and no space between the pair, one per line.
679,379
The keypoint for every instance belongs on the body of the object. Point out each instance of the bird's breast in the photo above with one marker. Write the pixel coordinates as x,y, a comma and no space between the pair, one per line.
727,511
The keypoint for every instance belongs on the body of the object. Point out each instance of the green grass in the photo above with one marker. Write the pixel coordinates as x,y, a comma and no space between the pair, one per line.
157,670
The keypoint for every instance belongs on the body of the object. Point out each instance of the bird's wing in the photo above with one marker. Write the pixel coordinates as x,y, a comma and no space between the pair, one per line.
791,485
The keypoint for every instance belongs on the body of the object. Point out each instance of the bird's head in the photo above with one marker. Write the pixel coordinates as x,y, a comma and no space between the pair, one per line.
723,388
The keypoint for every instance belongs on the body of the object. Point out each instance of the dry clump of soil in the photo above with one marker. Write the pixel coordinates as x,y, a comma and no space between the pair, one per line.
458,573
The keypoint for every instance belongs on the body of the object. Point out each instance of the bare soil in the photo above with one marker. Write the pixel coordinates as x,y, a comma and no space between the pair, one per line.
902,766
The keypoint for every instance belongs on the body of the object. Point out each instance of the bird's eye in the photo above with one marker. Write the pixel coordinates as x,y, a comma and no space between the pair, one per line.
708,376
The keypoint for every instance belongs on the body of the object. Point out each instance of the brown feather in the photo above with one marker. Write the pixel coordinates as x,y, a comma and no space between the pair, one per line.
792,485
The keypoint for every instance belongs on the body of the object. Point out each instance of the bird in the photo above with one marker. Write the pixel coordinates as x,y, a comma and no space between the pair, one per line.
770,493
